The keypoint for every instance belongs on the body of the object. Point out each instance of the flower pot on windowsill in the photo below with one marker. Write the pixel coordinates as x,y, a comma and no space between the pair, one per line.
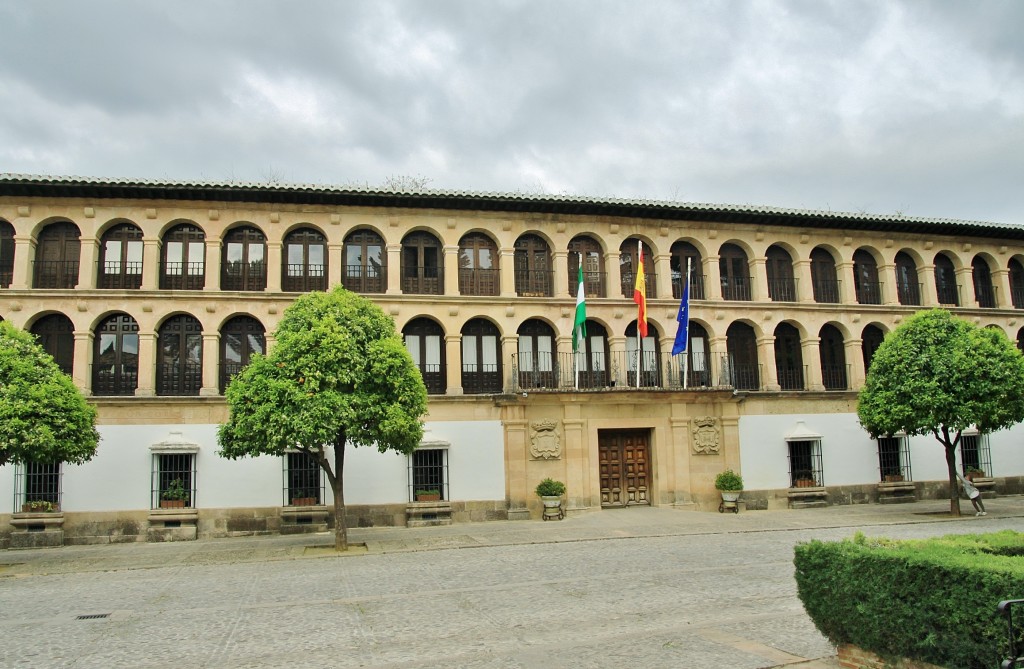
428,497
304,501
893,478
806,483
39,506
172,504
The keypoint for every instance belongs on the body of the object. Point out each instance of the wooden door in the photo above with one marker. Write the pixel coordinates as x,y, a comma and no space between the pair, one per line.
623,460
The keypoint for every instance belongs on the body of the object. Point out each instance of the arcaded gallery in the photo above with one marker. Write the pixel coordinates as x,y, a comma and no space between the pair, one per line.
153,294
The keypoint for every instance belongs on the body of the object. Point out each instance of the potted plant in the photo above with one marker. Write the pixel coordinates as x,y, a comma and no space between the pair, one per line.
428,495
730,484
550,492
804,479
303,497
174,495
975,472
38,506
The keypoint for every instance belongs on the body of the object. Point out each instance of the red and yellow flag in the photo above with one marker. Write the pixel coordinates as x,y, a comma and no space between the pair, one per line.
640,294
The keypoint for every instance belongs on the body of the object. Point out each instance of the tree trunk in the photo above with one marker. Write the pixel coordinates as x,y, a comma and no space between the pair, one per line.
338,487
954,486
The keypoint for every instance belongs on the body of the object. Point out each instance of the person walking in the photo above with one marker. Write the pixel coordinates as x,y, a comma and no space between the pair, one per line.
972,493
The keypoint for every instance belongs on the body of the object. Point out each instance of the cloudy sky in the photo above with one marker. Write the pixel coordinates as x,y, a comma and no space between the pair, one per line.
912,106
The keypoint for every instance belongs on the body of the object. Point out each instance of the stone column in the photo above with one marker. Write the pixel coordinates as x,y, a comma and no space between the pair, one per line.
766,353
147,365
211,364
929,294
847,285
24,253
804,281
211,269
712,279
965,287
453,363
507,272
759,279
510,362
614,273
810,349
88,263
560,265
80,372
451,270
335,265
717,351
662,289
887,278
1001,285
394,252
854,352
151,263
275,266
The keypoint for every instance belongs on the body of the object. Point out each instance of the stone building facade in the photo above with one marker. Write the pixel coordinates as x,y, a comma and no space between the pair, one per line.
153,294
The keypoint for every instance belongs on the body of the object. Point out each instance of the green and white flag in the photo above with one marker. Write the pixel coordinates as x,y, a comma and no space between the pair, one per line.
579,327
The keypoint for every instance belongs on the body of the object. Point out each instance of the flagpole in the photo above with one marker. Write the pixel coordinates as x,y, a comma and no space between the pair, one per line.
639,337
686,351
575,354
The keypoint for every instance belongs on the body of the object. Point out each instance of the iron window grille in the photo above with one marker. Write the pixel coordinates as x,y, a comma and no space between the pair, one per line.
57,256
239,339
428,475
365,269
894,459
805,467
305,266
975,454
422,265
180,356
173,480
120,264
115,367
184,259
243,260
38,482
303,485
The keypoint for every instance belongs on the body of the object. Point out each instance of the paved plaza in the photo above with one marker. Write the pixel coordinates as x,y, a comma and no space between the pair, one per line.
638,587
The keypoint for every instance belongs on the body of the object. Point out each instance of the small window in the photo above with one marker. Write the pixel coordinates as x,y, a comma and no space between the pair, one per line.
975,454
6,254
302,486
37,486
805,464
428,475
894,459
173,481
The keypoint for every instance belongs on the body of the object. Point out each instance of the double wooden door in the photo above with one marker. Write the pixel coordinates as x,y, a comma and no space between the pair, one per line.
624,457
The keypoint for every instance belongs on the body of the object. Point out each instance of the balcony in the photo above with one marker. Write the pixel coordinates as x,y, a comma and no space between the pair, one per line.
54,273
534,282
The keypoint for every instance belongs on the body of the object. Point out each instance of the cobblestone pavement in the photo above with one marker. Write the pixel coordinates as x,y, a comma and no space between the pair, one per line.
651,587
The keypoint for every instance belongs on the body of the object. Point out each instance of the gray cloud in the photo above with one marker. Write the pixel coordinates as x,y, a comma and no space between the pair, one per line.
869,106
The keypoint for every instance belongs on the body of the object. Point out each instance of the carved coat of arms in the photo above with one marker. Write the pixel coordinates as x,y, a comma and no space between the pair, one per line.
544,441
705,436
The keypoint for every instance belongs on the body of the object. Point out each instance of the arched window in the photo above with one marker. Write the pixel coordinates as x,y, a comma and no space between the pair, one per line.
629,260
366,263
184,258
478,265
424,339
534,276
823,277
698,358
945,281
908,289
1020,339
422,265
57,255
179,359
591,362
681,254
984,292
833,358
871,338
741,369
305,261
648,358
789,359
1016,283
779,266
6,254
589,251
481,357
734,271
536,357
121,257
239,339
243,264
865,278
56,334
115,366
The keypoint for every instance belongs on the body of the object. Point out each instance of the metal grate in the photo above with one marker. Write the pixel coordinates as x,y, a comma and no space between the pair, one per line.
92,616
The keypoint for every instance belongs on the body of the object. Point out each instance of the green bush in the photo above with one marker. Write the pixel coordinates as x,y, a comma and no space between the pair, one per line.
728,480
550,488
930,600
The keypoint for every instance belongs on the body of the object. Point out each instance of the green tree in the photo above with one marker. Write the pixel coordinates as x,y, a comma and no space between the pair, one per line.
43,416
338,374
937,374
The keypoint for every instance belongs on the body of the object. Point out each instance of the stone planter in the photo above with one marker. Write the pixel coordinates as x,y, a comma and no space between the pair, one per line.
172,504
552,508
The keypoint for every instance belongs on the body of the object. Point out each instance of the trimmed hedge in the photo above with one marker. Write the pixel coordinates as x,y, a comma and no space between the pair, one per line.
932,600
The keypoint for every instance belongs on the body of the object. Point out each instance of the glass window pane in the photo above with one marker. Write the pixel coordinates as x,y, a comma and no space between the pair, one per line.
412,344
294,254
174,252
433,343
469,363
490,350
354,255
526,354
255,252
234,252
316,254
